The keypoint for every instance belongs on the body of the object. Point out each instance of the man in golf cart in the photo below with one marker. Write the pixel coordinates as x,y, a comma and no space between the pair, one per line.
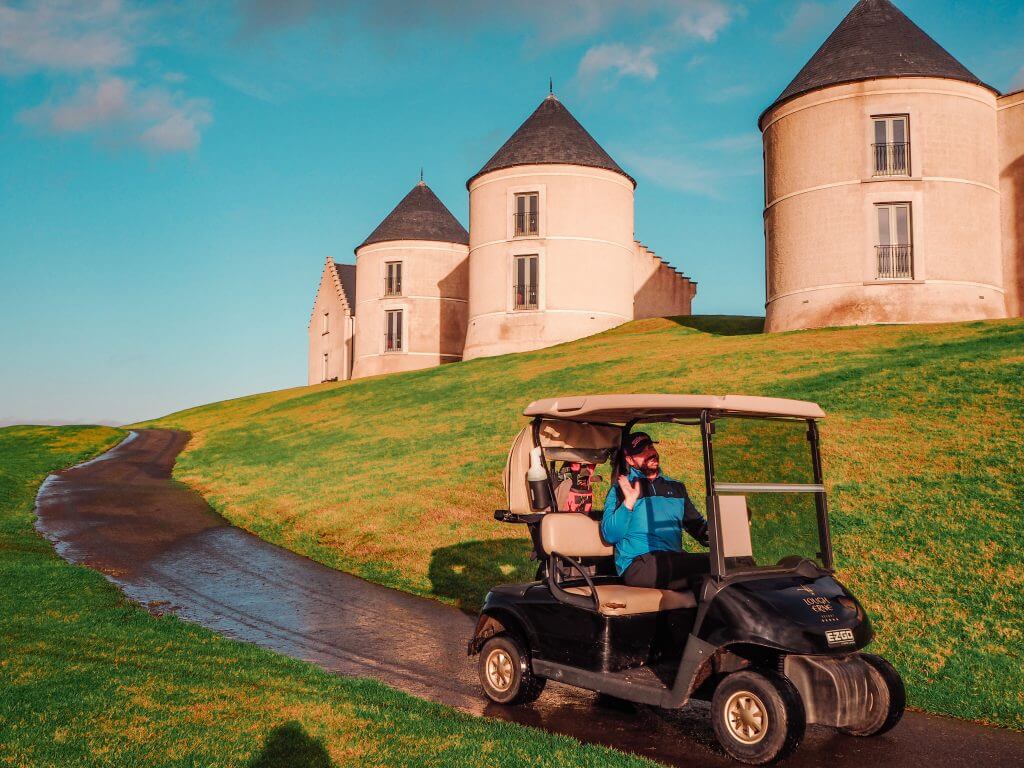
644,518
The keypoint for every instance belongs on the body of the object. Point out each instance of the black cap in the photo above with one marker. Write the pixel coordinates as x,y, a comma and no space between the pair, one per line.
636,443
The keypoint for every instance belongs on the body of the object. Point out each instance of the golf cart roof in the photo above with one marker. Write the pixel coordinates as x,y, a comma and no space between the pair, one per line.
620,409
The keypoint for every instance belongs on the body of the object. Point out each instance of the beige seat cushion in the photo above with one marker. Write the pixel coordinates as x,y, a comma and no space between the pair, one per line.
573,535
617,600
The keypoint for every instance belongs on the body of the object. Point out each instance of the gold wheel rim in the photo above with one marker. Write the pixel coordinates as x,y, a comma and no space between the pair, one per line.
500,670
746,717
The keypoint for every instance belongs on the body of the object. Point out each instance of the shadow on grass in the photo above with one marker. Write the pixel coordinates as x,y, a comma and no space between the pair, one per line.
466,572
289,746
722,325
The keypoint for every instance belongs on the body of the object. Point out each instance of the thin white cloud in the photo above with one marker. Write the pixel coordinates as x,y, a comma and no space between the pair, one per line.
703,19
727,94
118,111
807,18
65,36
678,173
620,61
90,107
546,23
686,174
677,22
95,45
742,142
1018,81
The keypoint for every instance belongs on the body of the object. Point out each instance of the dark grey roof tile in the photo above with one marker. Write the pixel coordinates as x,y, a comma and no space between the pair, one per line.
876,39
420,216
347,278
550,135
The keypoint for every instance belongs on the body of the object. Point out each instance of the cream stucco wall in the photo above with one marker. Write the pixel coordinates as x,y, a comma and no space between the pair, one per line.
434,297
820,195
658,290
1011,177
585,248
333,337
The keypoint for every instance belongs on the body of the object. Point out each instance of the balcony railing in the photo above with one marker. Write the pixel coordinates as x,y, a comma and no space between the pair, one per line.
525,223
525,296
393,287
895,262
892,159
392,342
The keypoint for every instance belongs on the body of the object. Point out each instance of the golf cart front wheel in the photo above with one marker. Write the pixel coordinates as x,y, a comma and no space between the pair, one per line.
886,699
505,672
758,717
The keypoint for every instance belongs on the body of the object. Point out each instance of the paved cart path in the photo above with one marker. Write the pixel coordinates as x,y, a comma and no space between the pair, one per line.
166,548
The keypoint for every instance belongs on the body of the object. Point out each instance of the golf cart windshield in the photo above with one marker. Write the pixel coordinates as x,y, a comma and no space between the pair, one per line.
768,493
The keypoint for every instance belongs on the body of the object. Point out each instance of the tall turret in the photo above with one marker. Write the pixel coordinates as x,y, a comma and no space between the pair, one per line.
412,288
882,183
551,239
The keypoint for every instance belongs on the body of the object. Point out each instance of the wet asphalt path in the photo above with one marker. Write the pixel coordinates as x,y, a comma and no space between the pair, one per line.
165,548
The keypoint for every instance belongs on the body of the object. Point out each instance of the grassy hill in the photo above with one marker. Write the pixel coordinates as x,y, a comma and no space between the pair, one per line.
394,478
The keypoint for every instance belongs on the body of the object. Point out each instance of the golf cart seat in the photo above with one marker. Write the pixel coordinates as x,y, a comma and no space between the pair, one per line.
620,600
577,536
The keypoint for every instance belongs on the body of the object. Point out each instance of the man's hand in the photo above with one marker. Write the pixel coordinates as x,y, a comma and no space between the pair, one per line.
630,492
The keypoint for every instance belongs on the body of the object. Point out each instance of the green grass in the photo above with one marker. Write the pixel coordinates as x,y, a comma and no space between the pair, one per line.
395,478
89,679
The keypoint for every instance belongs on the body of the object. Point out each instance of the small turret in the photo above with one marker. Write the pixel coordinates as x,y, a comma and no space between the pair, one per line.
413,285
551,238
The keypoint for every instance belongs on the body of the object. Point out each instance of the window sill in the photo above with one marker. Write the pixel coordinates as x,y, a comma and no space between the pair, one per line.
878,179
893,281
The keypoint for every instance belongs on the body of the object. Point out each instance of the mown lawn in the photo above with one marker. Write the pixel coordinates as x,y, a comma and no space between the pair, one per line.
395,478
89,679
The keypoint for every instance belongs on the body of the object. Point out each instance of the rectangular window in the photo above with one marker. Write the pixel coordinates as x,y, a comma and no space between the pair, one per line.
524,285
526,214
324,377
892,146
393,278
895,249
393,332
325,326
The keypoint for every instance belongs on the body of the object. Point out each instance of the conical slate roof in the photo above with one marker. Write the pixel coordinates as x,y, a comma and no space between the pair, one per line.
550,135
875,40
420,216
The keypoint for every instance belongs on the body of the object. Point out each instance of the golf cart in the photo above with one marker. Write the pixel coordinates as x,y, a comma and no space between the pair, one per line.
769,636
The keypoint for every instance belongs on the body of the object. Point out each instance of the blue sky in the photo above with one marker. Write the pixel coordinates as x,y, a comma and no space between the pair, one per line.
172,176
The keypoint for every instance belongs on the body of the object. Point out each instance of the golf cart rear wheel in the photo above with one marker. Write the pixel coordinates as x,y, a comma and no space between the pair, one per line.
505,672
758,716
888,699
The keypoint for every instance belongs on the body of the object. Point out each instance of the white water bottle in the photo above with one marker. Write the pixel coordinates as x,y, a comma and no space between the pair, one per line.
537,479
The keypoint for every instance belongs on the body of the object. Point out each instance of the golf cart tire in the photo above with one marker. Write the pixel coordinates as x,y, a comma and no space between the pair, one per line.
504,658
772,701
894,699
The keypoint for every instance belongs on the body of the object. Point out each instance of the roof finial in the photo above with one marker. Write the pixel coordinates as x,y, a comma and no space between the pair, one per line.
551,86
421,174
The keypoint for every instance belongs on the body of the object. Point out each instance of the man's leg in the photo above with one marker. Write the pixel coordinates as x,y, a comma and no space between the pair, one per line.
666,570
686,569
642,572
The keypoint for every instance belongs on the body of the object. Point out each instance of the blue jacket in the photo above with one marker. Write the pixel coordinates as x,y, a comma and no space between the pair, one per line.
656,522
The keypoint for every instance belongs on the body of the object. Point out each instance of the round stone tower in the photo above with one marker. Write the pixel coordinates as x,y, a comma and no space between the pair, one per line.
412,288
551,244
882,200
